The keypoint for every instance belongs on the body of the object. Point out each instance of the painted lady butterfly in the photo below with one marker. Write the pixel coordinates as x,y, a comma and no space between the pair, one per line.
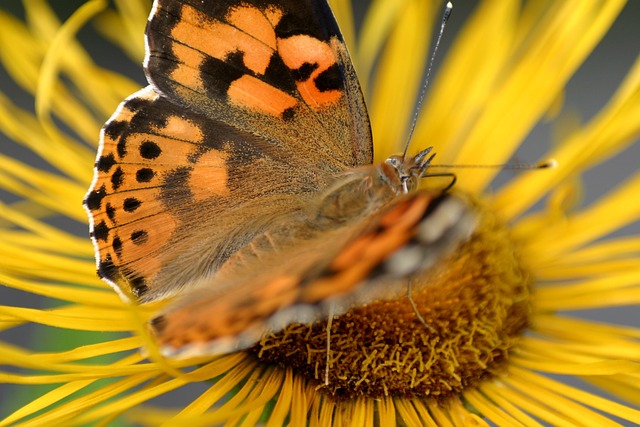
241,179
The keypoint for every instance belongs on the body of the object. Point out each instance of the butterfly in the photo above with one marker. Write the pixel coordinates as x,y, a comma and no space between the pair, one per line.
240,182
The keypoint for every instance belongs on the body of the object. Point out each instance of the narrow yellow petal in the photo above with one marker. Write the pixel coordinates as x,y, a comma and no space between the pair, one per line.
553,325
133,399
63,153
612,130
588,399
551,393
570,272
532,406
541,67
612,298
251,405
506,405
378,23
596,286
95,298
76,64
53,191
441,416
609,367
561,351
74,317
70,413
618,208
409,416
490,410
126,26
602,251
89,351
386,411
343,11
57,50
284,402
397,83
462,416
467,79
45,401
624,386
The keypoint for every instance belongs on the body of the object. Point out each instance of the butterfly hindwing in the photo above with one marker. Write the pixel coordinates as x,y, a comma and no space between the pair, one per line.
173,191
372,257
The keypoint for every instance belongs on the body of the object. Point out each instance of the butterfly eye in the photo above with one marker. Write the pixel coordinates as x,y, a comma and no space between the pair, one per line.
394,161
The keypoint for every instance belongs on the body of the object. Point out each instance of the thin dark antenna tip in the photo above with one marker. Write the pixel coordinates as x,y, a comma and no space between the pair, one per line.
423,91
447,10
547,164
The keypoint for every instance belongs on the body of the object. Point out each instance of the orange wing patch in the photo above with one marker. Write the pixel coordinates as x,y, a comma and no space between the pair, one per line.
248,34
254,94
257,25
212,170
298,51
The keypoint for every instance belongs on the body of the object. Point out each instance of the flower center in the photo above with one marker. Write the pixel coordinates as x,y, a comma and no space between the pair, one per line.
473,306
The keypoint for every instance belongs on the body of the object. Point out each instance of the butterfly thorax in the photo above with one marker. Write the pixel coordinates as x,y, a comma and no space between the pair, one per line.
402,174
362,191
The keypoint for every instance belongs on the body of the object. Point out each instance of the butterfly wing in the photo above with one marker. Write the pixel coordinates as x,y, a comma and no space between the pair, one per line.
253,109
278,69
368,259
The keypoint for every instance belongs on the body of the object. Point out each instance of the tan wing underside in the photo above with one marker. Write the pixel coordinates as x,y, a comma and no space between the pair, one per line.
299,278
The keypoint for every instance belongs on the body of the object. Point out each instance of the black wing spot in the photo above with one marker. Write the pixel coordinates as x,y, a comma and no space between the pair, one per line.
101,231
330,79
117,246
117,178
105,163
111,212
145,174
131,204
115,130
220,74
139,237
303,73
138,286
121,148
150,150
94,198
106,268
288,114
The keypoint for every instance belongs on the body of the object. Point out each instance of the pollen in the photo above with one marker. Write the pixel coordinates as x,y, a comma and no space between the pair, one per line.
470,311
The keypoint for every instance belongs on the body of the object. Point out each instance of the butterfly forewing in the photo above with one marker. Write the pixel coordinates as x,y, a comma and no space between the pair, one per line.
277,69
193,167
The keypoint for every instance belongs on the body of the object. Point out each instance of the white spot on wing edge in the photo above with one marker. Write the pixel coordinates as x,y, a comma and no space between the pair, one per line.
147,52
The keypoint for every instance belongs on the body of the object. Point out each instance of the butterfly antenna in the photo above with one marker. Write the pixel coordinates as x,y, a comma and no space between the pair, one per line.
443,23
545,164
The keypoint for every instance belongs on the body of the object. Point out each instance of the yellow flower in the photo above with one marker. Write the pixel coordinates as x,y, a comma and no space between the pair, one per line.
539,258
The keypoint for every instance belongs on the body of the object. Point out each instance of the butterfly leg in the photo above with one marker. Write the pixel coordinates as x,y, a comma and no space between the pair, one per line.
329,323
453,177
415,307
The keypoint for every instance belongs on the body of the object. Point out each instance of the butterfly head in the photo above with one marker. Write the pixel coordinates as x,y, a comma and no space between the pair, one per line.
403,173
